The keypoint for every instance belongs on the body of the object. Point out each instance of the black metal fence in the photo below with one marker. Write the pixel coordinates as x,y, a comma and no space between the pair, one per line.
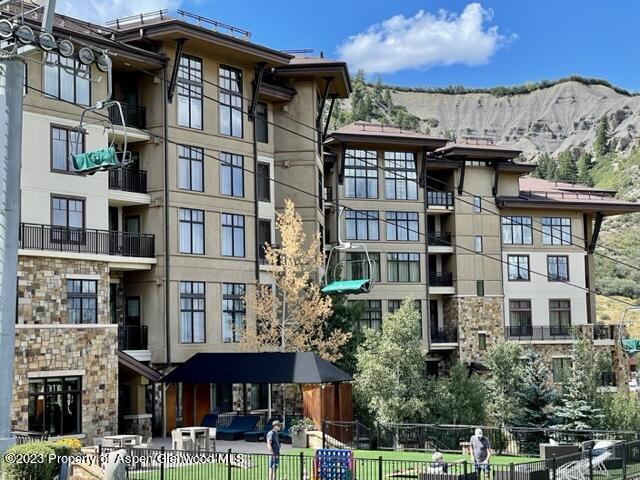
440,279
528,332
133,337
440,239
439,198
128,180
620,461
445,335
134,115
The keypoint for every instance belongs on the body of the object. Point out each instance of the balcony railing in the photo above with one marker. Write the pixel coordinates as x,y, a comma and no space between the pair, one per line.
608,379
85,240
133,337
530,333
438,279
604,332
128,180
134,115
440,239
439,198
444,335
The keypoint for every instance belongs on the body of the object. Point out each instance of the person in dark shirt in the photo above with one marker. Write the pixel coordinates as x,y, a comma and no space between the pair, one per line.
273,447
480,451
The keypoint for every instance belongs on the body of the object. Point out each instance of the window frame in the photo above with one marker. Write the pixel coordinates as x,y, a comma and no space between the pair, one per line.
68,130
222,90
262,122
561,375
477,204
231,166
551,238
64,394
190,80
361,164
82,296
77,67
557,278
480,288
266,187
233,228
234,298
373,309
482,341
395,225
66,234
394,261
528,325
397,171
192,224
350,273
519,268
200,298
478,248
261,249
368,217
563,328
192,155
525,223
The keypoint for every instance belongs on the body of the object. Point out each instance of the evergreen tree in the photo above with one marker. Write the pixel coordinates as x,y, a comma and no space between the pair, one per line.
386,98
601,145
505,369
361,107
535,395
545,168
584,168
376,95
567,167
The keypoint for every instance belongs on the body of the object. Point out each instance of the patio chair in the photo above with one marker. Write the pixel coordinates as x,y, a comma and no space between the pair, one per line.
210,420
180,442
285,434
238,427
579,469
144,445
259,435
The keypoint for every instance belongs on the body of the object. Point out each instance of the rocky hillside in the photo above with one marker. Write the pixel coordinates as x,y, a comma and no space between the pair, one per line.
547,120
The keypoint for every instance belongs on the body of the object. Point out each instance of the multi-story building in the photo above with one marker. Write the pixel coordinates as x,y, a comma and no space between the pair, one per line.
486,253
125,273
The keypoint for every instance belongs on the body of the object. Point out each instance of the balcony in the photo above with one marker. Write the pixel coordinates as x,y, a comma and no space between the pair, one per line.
532,334
604,332
133,337
134,115
85,240
128,180
444,335
440,279
439,200
440,242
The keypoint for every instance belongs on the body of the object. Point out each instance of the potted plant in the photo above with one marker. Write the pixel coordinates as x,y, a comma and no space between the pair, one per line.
298,430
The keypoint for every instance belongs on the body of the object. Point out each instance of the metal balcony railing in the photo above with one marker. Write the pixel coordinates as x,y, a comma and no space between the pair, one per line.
134,115
604,332
439,198
444,335
133,337
528,332
441,279
85,240
128,180
440,239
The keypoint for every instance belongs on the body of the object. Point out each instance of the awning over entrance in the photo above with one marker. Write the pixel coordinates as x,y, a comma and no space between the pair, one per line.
138,367
263,367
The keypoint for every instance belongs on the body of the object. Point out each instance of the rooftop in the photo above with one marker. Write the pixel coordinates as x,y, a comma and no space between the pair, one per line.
478,149
380,133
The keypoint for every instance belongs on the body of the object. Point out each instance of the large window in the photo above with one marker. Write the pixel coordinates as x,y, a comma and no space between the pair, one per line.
264,182
357,266
558,268
518,267
192,312
402,226
403,267
556,231
232,312
82,301
400,178
262,123
67,220
231,174
362,225
67,79
191,231
189,87
516,231
55,405
371,315
361,174
230,96
520,317
64,143
394,305
561,368
560,317
190,168
232,235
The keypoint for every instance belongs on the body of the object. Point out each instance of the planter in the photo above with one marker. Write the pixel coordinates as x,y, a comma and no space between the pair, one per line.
299,439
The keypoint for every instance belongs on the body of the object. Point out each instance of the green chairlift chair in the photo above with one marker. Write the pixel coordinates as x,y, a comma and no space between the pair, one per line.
629,345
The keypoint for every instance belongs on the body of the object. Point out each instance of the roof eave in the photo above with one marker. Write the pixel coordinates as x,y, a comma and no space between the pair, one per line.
335,69
351,138
606,208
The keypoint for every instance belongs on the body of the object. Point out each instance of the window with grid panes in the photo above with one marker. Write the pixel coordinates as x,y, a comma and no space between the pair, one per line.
55,405
189,91
403,267
400,176
190,168
233,312
230,97
360,174
64,143
402,226
560,317
82,301
357,266
520,317
372,315
67,79
232,235
191,231
561,368
558,268
192,312
556,231
362,225
516,231
518,267
231,174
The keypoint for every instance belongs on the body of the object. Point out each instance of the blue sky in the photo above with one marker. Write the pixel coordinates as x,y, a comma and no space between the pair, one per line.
511,41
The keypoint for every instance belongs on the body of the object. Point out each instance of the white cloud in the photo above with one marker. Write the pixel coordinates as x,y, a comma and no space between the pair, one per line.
100,11
424,40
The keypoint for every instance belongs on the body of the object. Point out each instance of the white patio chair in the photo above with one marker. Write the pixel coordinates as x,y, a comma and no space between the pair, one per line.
180,441
579,469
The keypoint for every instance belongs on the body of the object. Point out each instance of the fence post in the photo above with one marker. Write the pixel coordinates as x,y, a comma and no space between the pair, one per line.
464,465
512,471
591,463
302,475
555,467
380,467
624,461
229,465
162,462
324,434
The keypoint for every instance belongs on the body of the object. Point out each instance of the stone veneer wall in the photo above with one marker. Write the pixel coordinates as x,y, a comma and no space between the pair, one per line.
45,343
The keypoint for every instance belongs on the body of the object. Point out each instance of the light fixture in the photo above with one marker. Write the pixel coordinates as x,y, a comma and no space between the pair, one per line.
6,29
66,48
86,56
25,35
104,62
47,42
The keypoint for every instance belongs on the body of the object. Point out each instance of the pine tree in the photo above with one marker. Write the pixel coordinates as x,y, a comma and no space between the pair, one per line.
584,169
545,168
376,95
386,98
567,167
601,145
361,107
536,397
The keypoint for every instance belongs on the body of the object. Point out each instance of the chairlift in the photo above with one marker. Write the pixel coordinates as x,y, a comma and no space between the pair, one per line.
334,283
88,163
630,346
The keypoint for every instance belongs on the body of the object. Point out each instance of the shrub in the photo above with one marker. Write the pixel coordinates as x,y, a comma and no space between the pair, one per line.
67,446
35,470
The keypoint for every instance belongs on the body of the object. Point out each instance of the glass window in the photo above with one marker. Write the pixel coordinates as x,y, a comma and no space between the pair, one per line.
361,174
231,174
558,268
262,123
190,168
82,301
64,143
394,305
556,231
192,312
362,225
264,237
232,312
516,231
561,368
232,235
480,288
400,177
55,405
189,89
67,219
191,231
357,267
402,226
482,341
477,204
403,267
67,79
230,97
477,244
560,317
371,315
520,317
264,182
518,267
